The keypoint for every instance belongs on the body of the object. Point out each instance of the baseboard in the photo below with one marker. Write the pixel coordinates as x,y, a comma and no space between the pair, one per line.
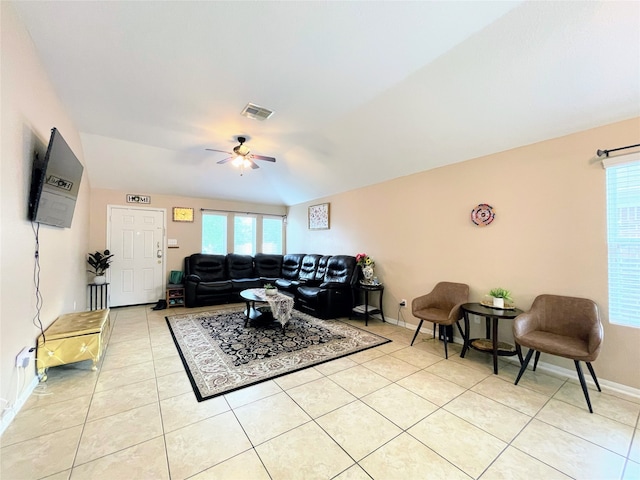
572,374
11,413
544,366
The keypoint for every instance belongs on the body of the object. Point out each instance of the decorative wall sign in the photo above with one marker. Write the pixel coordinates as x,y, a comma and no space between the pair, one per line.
182,214
146,199
483,215
319,217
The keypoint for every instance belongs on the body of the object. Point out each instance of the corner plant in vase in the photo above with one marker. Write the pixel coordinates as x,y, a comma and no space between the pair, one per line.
99,263
500,296
366,263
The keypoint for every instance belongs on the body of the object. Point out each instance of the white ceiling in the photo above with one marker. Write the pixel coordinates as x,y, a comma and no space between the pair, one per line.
363,92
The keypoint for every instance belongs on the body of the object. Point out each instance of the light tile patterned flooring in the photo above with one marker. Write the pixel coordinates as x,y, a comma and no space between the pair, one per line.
393,412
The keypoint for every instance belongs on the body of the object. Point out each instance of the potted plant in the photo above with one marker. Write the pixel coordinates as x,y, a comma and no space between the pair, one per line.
500,295
270,289
99,263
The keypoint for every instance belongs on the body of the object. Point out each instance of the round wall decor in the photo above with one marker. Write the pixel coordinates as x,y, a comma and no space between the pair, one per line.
483,215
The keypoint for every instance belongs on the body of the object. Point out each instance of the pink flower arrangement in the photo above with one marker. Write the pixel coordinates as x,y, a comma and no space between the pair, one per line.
364,260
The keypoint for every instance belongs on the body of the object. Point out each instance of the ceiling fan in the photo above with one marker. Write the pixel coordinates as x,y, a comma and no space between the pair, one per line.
242,156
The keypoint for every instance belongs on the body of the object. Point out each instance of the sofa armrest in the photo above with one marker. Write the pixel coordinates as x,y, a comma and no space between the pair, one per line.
422,302
193,278
456,312
524,323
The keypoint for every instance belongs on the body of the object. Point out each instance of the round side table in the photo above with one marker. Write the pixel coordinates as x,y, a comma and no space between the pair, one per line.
490,343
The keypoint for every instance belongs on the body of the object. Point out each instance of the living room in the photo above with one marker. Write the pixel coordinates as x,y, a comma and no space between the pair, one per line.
549,235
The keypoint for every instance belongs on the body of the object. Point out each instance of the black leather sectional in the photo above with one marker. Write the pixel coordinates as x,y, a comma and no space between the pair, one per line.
320,284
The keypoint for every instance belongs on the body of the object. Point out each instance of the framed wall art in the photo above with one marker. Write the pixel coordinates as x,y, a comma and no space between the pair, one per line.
319,217
182,214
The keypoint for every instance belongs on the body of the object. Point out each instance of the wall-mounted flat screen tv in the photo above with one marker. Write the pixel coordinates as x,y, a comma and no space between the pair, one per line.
55,183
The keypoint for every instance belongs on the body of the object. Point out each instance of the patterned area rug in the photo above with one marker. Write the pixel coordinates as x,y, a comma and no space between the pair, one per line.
221,355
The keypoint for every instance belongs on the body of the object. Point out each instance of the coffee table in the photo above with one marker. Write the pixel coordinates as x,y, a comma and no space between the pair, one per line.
281,307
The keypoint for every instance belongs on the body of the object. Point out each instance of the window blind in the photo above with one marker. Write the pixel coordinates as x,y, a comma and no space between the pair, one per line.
623,238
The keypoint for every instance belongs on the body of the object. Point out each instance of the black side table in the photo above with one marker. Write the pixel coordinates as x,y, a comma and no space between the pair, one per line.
491,315
98,296
364,309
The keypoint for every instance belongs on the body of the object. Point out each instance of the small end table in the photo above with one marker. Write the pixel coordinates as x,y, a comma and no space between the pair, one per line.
490,344
367,309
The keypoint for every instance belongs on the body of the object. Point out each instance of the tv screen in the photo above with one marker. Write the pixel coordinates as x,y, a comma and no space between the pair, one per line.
55,183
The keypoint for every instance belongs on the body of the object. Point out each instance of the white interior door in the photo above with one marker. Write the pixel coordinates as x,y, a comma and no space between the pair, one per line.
136,238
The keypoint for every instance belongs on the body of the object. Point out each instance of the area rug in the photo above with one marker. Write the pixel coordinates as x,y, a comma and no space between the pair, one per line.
221,355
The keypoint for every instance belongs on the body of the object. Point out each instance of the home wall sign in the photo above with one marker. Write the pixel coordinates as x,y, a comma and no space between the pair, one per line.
132,198
483,215
319,217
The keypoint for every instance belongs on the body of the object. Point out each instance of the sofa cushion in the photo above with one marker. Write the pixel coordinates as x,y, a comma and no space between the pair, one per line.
268,267
309,268
291,266
240,284
340,269
240,266
322,269
213,288
210,268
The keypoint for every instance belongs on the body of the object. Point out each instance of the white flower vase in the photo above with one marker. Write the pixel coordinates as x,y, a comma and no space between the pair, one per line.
498,302
367,273
99,279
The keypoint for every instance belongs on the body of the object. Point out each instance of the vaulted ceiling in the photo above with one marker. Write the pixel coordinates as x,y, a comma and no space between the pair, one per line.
362,92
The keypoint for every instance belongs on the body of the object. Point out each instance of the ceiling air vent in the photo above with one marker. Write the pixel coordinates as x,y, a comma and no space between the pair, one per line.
256,112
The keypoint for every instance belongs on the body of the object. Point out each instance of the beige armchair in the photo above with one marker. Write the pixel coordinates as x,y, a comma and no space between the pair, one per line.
441,306
568,327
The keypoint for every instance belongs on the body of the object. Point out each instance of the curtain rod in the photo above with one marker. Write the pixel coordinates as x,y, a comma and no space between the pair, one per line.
606,152
238,211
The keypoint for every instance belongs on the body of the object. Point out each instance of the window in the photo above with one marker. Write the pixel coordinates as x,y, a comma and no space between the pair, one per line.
248,233
214,233
244,235
272,235
623,238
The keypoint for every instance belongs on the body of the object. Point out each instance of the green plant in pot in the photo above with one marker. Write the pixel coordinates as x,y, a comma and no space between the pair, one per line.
500,296
99,263
269,289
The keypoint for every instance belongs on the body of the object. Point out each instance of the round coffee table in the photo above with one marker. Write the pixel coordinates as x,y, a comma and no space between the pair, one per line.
252,313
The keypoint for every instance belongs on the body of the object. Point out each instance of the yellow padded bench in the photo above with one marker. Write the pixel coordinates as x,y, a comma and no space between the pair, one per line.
71,338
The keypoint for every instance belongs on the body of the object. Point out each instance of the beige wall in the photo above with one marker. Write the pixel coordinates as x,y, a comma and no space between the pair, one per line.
549,235
188,235
30,108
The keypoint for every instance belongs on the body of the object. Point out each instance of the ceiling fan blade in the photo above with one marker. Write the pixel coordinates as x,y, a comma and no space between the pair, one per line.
254,165
262,157
225,160
214,150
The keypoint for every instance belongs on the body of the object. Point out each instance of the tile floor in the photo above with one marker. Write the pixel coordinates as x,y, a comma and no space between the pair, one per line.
391,412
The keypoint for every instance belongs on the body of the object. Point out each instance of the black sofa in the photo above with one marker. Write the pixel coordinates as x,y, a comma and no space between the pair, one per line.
320,284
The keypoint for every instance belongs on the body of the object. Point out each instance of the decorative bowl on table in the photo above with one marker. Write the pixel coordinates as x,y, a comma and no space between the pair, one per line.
270,291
